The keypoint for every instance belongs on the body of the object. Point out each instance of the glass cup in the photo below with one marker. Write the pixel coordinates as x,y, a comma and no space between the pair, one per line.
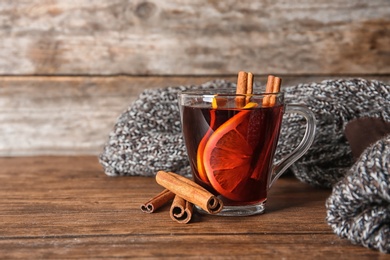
231,141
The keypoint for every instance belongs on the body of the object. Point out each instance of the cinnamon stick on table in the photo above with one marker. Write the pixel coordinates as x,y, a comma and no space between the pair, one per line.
190,191
157,201
181,210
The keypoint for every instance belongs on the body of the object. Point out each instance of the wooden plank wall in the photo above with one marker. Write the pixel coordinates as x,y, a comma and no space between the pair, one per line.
69,68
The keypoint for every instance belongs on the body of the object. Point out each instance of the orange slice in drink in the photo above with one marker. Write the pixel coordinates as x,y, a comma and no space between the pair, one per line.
216,102
227,157
201,146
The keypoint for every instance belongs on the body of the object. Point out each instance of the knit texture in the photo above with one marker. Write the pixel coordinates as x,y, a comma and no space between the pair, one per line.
334,103
359,206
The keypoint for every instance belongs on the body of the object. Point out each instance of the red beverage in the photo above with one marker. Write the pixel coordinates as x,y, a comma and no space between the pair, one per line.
231,150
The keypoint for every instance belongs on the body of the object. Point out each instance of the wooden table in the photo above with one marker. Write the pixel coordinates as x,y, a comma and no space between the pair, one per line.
66,207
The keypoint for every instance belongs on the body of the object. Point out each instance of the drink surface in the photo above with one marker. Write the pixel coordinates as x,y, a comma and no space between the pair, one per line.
231,150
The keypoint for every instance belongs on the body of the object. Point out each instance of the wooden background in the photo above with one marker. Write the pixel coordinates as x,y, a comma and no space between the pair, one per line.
69,68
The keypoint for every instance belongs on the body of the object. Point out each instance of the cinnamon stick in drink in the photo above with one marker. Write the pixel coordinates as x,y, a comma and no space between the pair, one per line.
242,82
249,87
157,201
276,85
268,89
190,191
249,83
181,210
275,89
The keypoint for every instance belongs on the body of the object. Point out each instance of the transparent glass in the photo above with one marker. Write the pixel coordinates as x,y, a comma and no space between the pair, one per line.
231,142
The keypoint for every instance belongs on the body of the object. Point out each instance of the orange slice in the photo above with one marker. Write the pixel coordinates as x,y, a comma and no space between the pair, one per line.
216,102
201,146
227,157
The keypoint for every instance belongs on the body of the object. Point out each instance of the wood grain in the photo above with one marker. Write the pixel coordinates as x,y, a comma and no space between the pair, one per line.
74,115
66,207
68,115
69,68
194,38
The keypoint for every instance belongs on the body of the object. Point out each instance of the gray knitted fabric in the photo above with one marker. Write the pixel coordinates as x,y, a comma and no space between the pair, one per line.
335,103
359,206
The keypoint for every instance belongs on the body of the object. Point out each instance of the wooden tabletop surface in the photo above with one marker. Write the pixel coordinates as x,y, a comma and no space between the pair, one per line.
66,207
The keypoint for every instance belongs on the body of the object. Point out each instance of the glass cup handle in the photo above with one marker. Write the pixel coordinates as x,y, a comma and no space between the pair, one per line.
303,146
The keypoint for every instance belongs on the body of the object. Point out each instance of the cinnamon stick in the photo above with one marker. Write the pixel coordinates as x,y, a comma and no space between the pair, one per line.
276,85
268,89
273,86
157,201
181,210
249,87
275,89
242,82
189,191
